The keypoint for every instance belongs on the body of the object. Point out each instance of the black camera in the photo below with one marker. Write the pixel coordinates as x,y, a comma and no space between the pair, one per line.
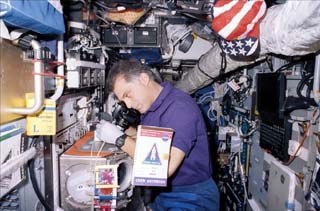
125,117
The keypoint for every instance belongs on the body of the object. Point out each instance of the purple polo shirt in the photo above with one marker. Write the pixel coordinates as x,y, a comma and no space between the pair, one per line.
177,110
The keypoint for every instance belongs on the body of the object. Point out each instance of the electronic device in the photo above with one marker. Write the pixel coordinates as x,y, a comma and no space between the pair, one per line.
275,130
125,117
145,33
78,175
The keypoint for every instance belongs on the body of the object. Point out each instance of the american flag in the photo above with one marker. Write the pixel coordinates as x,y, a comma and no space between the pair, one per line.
244,47
237,24
238,19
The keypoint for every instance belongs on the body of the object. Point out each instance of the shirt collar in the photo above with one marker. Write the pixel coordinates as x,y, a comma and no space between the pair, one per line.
167,87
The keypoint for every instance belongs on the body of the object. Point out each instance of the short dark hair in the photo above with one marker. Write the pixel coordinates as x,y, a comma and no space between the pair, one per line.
129,69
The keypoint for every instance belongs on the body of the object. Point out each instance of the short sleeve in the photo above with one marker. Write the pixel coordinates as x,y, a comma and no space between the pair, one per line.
182,118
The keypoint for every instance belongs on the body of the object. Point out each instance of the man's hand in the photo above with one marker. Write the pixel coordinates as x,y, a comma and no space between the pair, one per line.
107,132
132,132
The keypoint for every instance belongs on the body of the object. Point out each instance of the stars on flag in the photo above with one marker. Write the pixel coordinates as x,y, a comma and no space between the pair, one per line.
239,47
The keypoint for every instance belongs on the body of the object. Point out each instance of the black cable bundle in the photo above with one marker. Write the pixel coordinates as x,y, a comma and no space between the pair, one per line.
306,80
33,179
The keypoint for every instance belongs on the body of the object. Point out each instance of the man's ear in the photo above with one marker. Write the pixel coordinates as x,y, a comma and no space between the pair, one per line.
144,79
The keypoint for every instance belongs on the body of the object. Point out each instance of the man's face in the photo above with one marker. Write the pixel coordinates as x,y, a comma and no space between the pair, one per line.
135,93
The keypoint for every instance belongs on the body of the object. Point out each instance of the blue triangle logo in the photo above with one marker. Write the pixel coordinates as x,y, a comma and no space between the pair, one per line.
153,156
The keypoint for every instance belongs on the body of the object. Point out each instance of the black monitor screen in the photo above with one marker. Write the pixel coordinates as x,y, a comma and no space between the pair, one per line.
270,94
275,129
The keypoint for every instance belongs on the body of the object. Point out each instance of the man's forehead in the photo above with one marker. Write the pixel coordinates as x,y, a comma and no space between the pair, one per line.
121,86
119,79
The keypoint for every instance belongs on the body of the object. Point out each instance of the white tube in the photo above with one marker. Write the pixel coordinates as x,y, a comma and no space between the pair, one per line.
38,84
55,178
169,55
59,81
316,80
16,162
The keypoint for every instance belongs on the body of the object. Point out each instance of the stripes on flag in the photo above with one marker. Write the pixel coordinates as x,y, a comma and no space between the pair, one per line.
237,23
235,19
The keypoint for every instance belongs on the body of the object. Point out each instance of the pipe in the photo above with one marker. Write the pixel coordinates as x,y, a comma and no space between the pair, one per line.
38,84
168,56
316,80
207,70
243,179
55,179
16,162
59,81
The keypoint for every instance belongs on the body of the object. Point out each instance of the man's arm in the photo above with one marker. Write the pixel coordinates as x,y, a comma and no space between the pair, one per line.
109,133
129,146
176,158
132,132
